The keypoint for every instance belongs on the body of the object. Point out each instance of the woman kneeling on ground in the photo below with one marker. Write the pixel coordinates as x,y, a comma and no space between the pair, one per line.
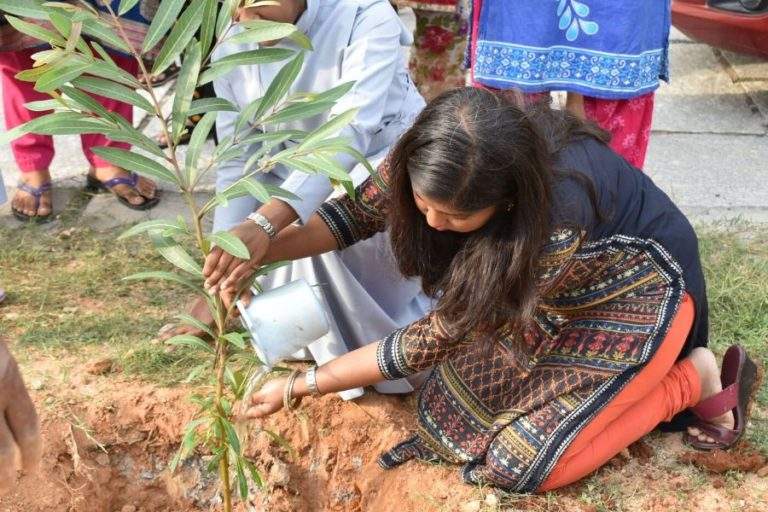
571,317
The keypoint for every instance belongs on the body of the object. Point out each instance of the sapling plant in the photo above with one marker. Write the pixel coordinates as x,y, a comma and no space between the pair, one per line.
74,63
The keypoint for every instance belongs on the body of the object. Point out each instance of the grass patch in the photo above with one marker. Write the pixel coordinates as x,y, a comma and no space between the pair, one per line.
735,259
65,292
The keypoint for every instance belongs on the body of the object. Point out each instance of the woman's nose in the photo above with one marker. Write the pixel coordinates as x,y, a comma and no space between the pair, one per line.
435,220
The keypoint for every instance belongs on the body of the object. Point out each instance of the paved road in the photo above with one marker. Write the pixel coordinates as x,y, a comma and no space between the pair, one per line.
708,150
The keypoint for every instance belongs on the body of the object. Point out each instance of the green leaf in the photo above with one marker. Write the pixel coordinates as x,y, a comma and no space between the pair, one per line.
196,142
136,163
205,105
172,251
35,31
126,5
280,84
187,340
236,339
165,16
180,36
328,166
60,73
57,123
26,8
328,129
103,54
45,105
109,89
252,57
135,138
165,276
226,12
278,137
241,480
64,25
255,189
231,244
196,372
96,28
185,88
266,269
281,441
109,71
255,476
194,322
152,225
260,31
208,26
299,111
335,93
234,441
84,101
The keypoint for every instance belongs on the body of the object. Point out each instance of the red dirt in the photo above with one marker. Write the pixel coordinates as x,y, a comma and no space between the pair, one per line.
742,458
333,467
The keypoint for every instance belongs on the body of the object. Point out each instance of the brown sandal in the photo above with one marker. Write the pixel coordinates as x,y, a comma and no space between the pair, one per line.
741,379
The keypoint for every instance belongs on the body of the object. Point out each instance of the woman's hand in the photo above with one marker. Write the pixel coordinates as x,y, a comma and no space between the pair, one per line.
224,271
268,400
19,428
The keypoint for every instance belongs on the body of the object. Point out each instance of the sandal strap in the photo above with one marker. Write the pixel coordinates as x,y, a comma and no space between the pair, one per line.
35,192
131,181
719,404
723,437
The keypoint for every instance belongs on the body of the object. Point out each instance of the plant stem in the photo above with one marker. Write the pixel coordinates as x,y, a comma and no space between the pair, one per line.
221,361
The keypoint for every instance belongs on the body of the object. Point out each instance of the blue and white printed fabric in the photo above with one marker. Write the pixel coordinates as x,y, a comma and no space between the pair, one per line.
612,50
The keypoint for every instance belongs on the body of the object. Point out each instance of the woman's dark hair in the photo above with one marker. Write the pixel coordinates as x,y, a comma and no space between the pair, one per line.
472,149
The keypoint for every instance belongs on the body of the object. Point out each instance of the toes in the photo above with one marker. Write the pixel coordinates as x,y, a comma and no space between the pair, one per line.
129,194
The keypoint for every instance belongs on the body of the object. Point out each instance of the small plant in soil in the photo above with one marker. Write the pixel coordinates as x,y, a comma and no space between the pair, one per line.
73,64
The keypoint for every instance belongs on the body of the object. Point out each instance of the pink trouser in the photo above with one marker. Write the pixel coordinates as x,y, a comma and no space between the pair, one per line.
34,152
628,122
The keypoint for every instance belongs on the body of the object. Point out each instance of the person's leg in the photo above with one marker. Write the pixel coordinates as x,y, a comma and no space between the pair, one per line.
628,121
33,153
660,390
104,170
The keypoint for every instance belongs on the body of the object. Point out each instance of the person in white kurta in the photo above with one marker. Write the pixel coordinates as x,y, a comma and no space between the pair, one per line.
353,40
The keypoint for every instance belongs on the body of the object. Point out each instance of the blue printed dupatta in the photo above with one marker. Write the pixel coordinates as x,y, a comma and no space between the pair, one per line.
602,49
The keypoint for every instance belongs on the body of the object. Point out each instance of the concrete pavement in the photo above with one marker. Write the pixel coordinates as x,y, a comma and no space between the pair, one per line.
708,150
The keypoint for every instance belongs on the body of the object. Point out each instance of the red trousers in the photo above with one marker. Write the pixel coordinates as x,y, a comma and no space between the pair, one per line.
662,389
34,152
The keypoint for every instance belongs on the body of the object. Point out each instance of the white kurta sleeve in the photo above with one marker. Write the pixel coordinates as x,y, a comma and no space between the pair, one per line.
371,61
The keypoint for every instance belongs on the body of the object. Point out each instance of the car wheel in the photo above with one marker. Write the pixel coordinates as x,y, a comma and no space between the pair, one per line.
753,5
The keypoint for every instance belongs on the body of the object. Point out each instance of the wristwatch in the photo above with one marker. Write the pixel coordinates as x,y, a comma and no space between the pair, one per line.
310,380
264,224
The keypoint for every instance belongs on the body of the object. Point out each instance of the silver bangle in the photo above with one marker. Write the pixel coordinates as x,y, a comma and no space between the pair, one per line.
289,402
264,224
310,379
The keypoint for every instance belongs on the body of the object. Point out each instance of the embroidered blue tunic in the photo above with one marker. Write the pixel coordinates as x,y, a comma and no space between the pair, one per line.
610,50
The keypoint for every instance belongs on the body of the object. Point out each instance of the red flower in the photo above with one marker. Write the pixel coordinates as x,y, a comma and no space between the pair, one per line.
437,74
436,39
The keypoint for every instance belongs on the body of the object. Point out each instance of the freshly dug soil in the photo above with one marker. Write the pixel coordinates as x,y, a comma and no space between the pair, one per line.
741,458
108,440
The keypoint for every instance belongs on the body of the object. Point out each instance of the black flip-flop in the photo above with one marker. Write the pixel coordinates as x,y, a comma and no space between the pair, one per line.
93,184
37,193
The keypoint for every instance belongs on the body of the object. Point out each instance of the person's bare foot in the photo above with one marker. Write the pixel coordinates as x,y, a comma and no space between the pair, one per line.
145,188
198,309
24,202
709,373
